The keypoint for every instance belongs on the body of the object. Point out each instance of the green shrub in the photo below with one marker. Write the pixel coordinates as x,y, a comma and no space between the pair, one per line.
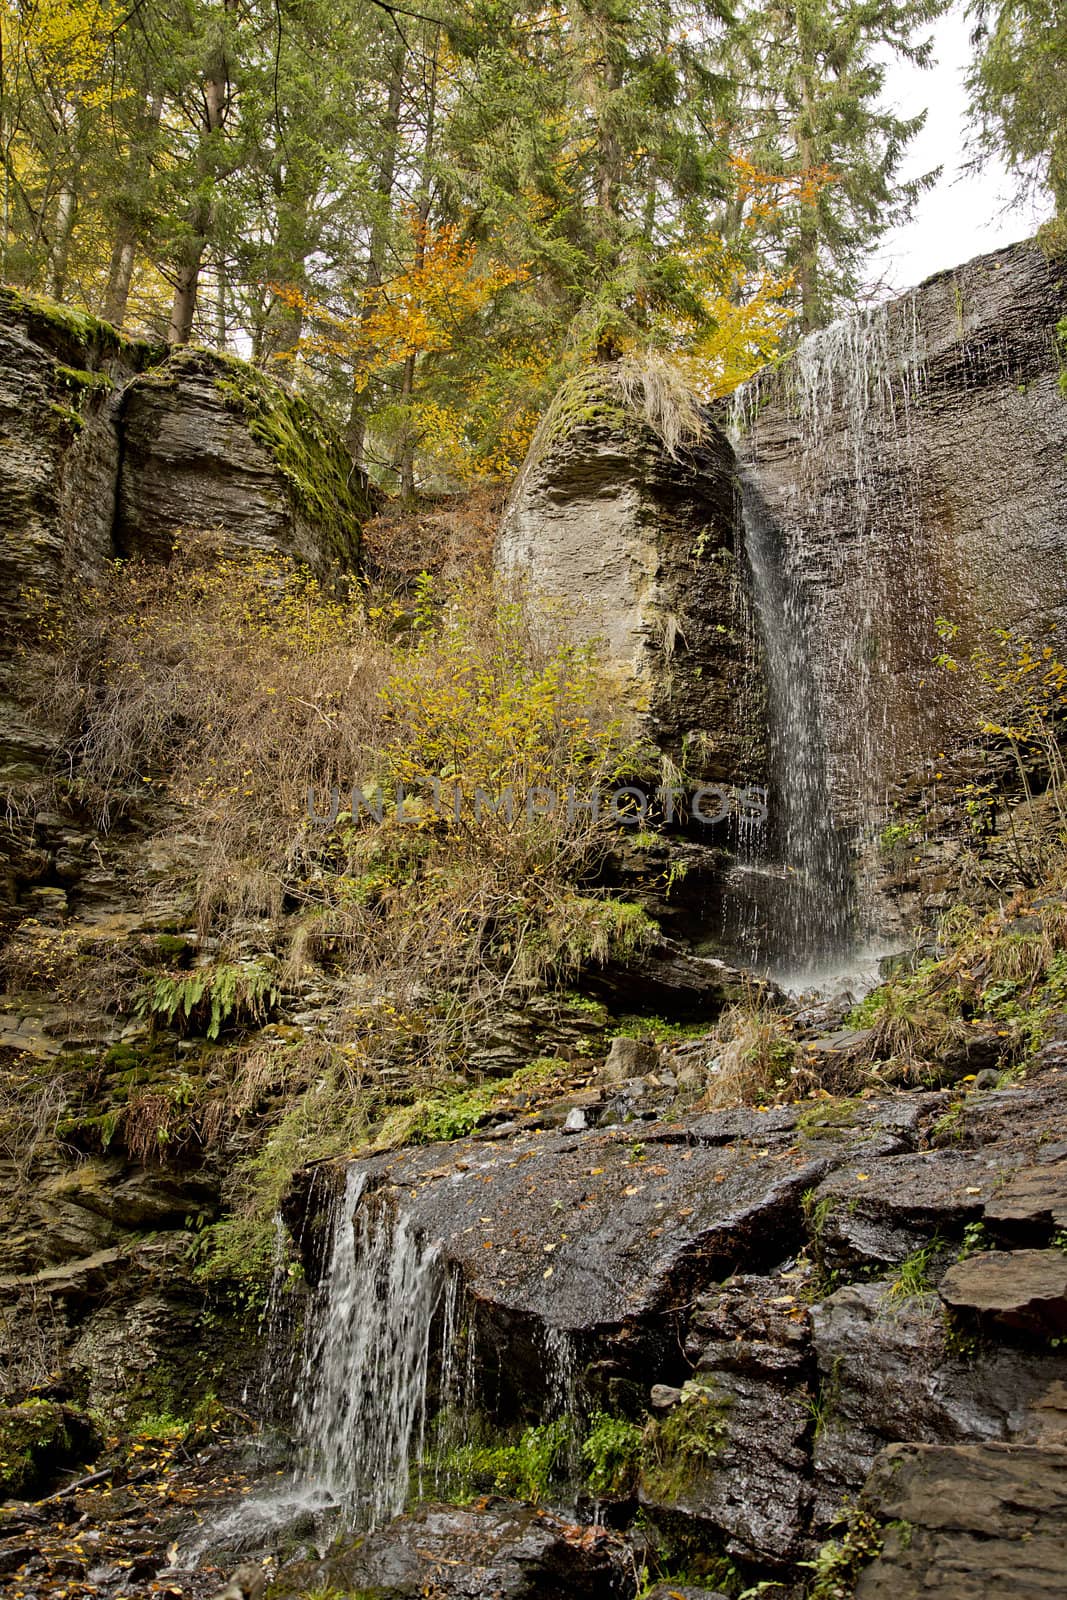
612,1453
521,1466
685,1445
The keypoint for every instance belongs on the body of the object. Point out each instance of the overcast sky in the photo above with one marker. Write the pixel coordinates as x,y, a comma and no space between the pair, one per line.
962,216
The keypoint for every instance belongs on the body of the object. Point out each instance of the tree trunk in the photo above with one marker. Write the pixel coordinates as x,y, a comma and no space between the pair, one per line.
356,429
66,211
216,85
120,275
406,455
186,286
220,303
608,188
808,245
124,249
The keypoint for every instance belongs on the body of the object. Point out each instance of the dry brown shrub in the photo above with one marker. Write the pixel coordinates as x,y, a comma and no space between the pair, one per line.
242,687
450,536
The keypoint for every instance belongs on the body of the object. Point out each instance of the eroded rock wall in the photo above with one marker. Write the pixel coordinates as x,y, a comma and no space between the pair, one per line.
913,463
115,448
637,546
209,445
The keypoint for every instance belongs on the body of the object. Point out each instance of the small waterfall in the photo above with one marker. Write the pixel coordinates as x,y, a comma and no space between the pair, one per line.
272,1386
806,874
839,567
387,1325
362,1396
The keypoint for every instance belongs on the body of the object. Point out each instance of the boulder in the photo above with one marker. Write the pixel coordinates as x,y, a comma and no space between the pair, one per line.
1034,1198
967,1522
628,1058
39,1440
210,444
634,540
112,447
512,1552
602,1238
1024,1289
61,378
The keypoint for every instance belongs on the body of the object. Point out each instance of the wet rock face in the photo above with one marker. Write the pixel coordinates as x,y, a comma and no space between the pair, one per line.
638,547
755,1296
968,1522
892,1367
511,1552
604,1236
753,1339
914,465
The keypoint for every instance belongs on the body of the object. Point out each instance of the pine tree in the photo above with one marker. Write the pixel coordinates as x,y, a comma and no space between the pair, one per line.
810,77
1018,90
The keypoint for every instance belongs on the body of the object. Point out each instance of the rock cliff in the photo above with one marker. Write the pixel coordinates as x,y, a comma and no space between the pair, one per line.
114,448
636,543
912,462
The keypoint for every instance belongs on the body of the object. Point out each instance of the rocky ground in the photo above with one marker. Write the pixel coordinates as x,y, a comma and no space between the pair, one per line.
868,1297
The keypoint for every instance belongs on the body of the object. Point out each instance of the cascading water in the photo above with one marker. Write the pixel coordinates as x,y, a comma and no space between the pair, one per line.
360,1402
835,562
362,1396
386,1318
802,860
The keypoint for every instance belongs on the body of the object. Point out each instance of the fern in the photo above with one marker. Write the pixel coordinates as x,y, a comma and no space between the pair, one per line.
210,997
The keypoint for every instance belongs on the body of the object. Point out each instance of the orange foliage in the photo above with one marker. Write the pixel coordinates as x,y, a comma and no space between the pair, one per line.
420,310
769,192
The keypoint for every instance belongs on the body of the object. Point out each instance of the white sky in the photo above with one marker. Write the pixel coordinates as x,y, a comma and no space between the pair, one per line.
963,215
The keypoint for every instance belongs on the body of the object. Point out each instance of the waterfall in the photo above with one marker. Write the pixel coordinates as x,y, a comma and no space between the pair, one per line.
805,865
386,1317
361,1403
838,565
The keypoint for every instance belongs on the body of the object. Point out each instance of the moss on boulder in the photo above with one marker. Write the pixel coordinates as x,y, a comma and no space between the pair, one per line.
39,1440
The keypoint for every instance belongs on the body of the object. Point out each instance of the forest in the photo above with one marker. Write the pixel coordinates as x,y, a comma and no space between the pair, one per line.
427,216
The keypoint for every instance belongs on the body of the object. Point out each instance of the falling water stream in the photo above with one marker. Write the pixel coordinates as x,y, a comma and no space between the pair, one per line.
386,1314
803,857
835,580
361,1406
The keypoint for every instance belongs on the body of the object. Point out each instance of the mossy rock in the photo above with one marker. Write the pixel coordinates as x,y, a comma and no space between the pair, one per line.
308,452
39,1441
588,399
52,324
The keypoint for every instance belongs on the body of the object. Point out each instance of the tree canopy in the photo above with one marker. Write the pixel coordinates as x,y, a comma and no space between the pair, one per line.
426,214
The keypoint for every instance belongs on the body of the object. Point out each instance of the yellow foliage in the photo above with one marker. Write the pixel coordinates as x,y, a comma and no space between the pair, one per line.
744,315
62,42
420,310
